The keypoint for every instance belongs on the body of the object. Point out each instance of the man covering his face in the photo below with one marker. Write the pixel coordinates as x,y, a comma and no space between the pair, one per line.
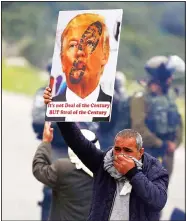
124,176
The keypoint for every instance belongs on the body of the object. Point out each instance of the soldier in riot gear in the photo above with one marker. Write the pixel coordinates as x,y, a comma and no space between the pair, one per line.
154,112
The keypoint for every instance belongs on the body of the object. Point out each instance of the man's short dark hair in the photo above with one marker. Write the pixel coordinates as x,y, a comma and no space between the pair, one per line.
130,133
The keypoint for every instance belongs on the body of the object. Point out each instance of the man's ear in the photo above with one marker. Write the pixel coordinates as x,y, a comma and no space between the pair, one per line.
141,152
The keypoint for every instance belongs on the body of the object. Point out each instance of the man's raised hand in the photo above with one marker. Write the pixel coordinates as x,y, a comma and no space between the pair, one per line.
123,164
47,95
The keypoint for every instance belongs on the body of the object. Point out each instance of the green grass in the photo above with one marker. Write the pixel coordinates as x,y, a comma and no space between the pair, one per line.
24,80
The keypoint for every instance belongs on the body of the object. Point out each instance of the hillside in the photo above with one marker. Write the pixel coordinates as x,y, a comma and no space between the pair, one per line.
148,29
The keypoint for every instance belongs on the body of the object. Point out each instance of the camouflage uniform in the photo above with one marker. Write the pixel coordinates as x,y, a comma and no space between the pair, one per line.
169,157
157,120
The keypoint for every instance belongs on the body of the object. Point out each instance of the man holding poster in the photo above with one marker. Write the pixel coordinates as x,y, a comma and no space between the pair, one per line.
84,52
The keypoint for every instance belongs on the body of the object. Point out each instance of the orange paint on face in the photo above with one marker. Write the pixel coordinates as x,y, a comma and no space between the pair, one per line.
80,56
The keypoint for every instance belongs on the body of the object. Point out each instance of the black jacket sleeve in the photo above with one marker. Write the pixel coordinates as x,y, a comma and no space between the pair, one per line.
83,148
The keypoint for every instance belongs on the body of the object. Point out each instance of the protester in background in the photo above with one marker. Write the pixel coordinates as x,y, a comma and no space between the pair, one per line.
59,147
71,181
154,112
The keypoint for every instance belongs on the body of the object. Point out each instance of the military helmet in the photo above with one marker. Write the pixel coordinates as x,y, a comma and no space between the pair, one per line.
160,68
157,69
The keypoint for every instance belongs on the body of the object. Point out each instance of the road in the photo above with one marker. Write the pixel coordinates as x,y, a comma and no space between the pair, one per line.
20,190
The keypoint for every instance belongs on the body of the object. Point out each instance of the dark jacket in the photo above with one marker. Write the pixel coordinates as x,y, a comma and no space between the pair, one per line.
62,98
72,188
149,186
